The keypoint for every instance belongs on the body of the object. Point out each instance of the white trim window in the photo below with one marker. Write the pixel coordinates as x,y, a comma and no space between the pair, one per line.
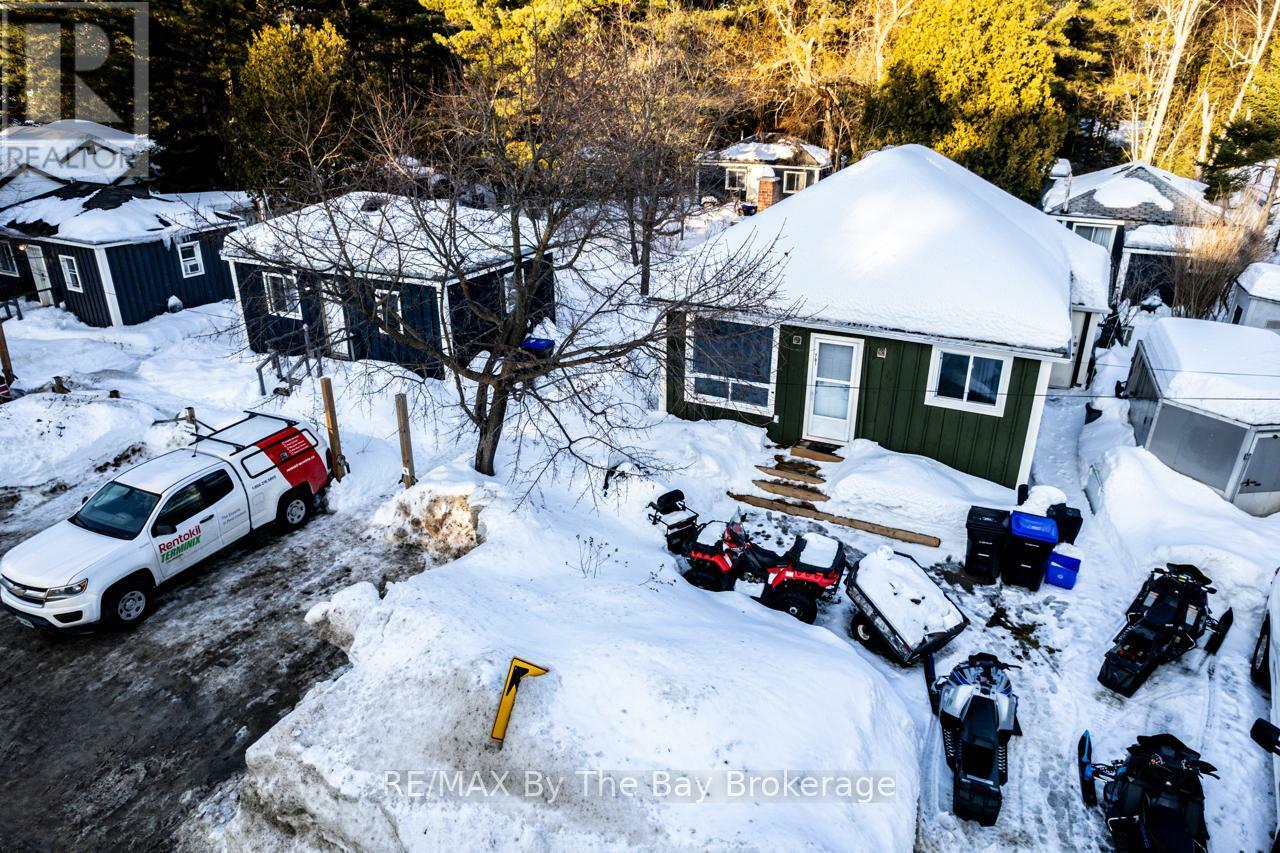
8,260
190,259
386,307
1102,235
968,380
731,365
281,291
735,180
71,273
793,181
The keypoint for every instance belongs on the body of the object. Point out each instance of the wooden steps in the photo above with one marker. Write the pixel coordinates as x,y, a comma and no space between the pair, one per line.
816,452
790,490
803,510
790,474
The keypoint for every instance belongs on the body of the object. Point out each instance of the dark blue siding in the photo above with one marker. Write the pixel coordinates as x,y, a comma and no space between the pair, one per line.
91,305
147,274
269,331
420,310
22,284
483,293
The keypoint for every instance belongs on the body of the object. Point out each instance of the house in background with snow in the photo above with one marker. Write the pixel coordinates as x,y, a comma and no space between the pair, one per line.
762,170
1141,215
318,277
1204,397
117,255
37,159
934,309
1254,299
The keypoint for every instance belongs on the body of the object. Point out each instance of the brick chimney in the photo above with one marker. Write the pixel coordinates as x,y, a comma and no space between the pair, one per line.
768,193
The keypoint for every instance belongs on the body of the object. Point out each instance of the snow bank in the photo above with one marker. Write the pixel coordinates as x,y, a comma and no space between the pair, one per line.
1217,367
48,437
648,675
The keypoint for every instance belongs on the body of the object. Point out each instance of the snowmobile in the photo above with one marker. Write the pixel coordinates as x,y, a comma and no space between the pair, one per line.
978,711
717,554
1152,799
1164,622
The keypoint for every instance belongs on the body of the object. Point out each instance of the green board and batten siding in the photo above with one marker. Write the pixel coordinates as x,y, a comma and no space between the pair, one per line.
891,407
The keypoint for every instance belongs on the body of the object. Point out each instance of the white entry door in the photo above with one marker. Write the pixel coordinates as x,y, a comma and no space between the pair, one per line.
40,274
335,329
835,367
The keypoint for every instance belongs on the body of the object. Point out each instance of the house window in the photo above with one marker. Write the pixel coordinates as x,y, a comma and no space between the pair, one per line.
735,179
968,381
1103,235
70,273
282,294
8,261
793,182
731,365
386,306
190,259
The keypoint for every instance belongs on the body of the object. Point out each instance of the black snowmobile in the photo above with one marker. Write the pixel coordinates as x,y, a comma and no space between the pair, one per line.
1153,799
1164,622
978,712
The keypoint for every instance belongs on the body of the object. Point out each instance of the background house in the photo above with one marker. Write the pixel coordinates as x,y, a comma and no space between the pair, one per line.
1204,397
114,255
37,159
783,164
1138,213
320,275
934,307
1255,297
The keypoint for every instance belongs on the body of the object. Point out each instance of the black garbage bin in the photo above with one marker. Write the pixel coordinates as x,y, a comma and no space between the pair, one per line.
1031,540
988,532
1069,521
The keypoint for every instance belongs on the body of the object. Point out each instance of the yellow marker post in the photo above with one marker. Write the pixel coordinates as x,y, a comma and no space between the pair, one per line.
517,672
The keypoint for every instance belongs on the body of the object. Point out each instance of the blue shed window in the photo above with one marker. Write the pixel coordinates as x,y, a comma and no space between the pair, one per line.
190,260
8,261
282,294
731,365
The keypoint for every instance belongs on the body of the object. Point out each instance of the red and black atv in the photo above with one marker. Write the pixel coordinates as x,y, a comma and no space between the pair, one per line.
716,554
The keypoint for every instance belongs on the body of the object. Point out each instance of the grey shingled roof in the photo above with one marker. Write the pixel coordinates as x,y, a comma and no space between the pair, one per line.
1186,208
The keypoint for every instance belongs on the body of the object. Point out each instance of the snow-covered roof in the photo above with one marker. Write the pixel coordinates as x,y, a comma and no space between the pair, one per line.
71,150
96,214
1131,191
1161,238
223,201
775,149
1227,370
1262,280
908,241
378,234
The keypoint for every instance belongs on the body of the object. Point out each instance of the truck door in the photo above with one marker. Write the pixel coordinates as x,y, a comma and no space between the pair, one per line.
228,506
185,530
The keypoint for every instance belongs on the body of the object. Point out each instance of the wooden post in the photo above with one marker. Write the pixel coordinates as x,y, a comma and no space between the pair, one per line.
331,423
406,442
190,415
6,366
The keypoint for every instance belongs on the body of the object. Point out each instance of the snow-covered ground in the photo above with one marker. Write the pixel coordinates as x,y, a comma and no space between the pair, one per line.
647,674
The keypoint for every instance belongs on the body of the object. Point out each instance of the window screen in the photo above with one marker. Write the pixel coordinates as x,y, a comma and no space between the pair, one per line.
1199,446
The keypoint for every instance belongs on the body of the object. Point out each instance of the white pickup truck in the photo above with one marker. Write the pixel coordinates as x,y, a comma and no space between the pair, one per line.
161,517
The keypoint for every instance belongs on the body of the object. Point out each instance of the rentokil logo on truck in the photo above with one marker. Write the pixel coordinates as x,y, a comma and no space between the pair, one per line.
180,544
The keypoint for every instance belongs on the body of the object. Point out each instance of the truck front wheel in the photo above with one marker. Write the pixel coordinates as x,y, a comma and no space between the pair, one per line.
128,602
294,509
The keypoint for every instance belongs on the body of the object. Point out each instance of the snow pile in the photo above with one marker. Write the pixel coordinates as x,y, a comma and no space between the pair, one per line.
1262,280
1217,367
908,241
908,491
648,676
44,438
905,596
441,524
1124,192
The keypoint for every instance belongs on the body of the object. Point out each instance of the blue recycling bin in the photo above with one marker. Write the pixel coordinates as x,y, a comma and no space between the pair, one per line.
1031,539
1061,570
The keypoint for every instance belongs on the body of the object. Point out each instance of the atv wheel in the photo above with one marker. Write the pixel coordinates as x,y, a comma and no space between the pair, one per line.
799,605
864,632
704,578
1219,633
1260,663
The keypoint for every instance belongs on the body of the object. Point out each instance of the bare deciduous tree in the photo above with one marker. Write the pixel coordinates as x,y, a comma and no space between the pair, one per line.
1209,260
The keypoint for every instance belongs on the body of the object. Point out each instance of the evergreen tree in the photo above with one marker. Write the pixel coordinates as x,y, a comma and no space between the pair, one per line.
1251,138
974,80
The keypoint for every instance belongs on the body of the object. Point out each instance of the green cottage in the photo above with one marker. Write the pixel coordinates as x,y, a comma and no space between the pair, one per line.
932,309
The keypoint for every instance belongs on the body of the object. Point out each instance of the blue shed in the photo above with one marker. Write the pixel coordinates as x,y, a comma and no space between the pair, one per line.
429,271
116,255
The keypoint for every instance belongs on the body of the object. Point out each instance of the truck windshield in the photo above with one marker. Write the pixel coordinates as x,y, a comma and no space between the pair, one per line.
116,510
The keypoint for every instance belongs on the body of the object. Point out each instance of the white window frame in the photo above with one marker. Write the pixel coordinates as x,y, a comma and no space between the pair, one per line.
198,258
71,272
798,174
729,173
721,402
272,308
932,398
7,254
381,297
1097,226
